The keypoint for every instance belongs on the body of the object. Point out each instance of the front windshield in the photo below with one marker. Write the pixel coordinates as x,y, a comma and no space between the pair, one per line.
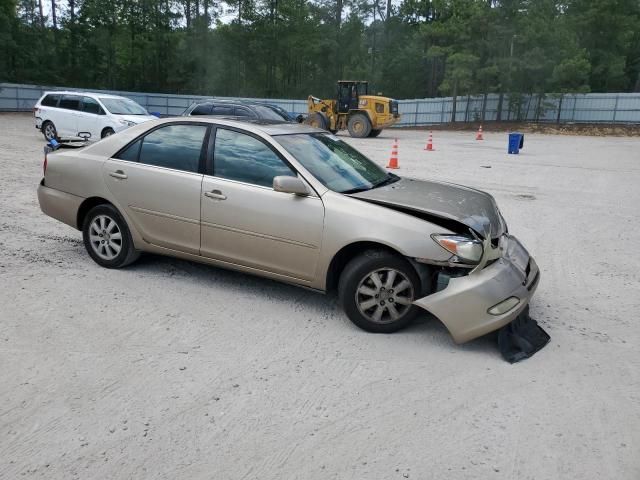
335,163
267,113
123,106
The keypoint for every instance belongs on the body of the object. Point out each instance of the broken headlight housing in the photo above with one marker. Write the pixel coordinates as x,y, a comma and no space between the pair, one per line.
465,249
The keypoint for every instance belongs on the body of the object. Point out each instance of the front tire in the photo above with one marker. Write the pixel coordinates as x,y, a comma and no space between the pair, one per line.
107,237
107,132
377,290
375,133
359,125
317,120
49,131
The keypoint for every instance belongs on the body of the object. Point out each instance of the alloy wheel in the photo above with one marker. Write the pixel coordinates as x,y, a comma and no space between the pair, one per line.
384,295
49,131
105,237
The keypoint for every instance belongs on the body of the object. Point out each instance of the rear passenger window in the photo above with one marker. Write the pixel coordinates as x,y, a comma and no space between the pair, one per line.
173,146
70,102
131,152
246,159
203,109
222,110
89,105
50,101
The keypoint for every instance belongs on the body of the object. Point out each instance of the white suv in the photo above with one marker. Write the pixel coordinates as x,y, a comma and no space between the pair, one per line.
72,115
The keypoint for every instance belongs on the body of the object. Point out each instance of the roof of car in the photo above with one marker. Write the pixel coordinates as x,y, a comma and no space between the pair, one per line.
231,101
270,127
75,92
113,143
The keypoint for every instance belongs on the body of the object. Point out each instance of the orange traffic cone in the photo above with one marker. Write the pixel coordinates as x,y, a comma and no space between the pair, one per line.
393,161
429,145
479,134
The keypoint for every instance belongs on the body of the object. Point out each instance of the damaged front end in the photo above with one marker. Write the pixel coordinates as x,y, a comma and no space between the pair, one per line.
472,300
489,277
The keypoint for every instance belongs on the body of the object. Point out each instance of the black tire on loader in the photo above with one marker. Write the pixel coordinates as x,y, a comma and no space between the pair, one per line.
317,120
359,125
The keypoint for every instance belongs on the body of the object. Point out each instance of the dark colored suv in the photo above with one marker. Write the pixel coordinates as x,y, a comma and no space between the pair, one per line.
230,108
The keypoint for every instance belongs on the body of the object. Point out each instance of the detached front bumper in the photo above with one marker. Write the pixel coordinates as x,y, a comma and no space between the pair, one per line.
464,305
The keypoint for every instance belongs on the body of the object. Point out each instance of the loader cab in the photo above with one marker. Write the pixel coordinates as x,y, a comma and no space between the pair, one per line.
349,93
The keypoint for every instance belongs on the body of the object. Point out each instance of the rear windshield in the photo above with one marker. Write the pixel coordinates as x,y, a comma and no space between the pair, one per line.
122,106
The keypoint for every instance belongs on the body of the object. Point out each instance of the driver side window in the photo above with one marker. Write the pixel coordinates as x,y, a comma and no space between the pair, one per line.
246,159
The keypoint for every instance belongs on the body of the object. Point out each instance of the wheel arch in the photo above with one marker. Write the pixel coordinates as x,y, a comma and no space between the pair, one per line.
87,205
102,132
350,251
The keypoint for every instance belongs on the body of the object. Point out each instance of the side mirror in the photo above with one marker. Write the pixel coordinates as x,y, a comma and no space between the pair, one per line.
288,184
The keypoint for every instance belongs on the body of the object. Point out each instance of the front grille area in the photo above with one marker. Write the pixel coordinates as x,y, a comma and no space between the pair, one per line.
393,107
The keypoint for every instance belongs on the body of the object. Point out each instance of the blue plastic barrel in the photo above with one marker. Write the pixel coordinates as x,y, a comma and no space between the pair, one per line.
516,142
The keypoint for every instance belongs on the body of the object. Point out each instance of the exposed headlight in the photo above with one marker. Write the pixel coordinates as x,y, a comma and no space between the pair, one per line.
126,122
465,249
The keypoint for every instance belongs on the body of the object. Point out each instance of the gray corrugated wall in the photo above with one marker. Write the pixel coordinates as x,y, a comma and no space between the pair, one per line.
579,108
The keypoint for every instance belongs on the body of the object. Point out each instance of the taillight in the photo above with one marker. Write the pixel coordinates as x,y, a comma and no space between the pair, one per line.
47,149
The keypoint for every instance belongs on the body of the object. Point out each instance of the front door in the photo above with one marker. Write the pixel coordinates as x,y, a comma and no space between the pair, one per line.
157,182
246,222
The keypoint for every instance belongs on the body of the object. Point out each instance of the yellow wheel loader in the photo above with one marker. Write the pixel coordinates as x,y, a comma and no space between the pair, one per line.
354,109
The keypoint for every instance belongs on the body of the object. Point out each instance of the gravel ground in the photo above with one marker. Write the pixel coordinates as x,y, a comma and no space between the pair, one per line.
169,369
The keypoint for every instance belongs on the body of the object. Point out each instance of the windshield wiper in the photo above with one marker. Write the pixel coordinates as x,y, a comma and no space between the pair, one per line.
356,190
391,178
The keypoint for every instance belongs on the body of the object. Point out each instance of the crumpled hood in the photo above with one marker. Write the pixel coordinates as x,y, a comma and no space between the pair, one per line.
137,118
468,206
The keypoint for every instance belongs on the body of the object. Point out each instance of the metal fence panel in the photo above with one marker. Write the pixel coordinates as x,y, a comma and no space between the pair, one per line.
561,108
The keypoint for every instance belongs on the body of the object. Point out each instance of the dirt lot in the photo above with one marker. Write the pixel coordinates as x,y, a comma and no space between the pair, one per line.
169,369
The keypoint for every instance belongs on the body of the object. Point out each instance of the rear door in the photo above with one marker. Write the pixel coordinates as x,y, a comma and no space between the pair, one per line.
245,221
157,181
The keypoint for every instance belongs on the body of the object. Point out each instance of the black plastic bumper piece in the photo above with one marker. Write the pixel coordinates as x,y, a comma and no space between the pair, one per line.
521,338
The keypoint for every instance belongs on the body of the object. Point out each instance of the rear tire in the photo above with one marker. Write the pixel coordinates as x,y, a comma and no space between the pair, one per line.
49,131
359,125
107,132
377,290
107,237
374,133
317,120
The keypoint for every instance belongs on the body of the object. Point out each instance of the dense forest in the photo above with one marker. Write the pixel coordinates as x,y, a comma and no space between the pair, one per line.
290,48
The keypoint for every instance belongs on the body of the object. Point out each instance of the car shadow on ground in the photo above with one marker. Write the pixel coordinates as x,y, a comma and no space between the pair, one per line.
325,308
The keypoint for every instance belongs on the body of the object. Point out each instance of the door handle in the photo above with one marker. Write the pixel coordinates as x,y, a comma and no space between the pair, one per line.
118,174
217,194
